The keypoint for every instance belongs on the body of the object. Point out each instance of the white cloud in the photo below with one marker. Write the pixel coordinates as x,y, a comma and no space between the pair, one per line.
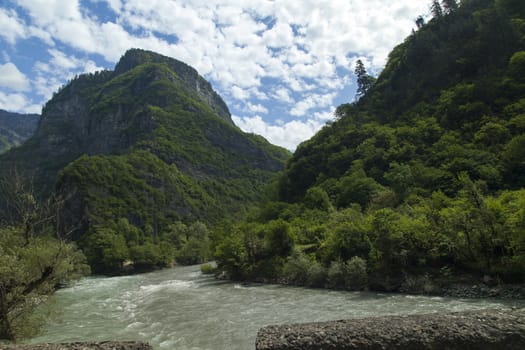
312,101
287,135
256,108
11,27
300,53
281,35
17,102
49,11
239,94
47,80
282,94
12,78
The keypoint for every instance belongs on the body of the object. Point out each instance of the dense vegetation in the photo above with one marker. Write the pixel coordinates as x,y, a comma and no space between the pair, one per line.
33,261
422,176
145,159
15,128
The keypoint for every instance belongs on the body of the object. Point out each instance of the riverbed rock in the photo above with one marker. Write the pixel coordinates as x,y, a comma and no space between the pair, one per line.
480,330
108,345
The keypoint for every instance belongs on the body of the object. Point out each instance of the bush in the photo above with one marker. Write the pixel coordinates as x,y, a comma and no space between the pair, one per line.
300,270
316,275
418,284
208,269
148,256
295,270
356,274
351,275
278,237
336,275
30,271
105,250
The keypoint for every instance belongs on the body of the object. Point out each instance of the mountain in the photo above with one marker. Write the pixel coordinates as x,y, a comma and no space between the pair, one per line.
15,128
424,174
449,100
133,151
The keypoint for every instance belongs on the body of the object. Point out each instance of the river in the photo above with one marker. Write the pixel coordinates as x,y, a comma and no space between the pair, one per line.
181,309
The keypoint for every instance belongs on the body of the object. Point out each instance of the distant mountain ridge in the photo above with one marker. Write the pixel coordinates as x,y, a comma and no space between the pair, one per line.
16,128
150,143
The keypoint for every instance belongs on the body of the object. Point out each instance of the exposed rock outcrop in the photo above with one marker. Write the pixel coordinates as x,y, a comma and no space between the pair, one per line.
170,135
191,77
486,329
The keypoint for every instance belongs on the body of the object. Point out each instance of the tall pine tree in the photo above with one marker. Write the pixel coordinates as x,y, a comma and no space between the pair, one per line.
436,9
449,6
364,80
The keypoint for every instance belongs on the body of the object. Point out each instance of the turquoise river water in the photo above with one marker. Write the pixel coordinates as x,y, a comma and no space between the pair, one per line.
182,309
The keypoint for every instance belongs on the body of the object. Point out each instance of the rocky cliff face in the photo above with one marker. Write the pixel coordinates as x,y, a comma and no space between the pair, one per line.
110,112
189,75
150,142
104,113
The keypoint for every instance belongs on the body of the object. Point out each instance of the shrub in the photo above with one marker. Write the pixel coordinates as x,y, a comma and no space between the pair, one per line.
316,275
351,275
356,275
303,271
295,270
208,269
418,284
336,275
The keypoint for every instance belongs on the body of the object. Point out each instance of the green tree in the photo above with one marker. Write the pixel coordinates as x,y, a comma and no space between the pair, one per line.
32,261
347,237
516,67
317,198
195,246
106,250
232,257
279,240
364,80
436,9
30,271
449,6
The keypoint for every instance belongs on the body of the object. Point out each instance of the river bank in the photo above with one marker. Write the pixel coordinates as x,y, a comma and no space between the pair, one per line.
182,309
465,286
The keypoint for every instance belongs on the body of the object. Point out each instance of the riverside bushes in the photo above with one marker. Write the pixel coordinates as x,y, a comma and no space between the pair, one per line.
423,173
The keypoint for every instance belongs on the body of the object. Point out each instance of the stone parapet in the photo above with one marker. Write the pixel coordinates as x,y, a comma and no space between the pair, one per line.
480,330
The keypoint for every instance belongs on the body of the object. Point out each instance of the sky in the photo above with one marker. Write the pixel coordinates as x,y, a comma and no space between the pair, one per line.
282,66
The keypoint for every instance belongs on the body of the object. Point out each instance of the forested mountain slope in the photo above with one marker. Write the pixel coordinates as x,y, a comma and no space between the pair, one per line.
15,128
449,100
423,174
132,152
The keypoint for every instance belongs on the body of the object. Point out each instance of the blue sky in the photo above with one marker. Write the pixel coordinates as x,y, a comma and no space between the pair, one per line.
282,66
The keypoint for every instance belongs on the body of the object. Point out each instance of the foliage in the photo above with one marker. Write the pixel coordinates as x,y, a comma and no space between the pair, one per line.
364,80
208,269
423,174
150,144
33,263
29,273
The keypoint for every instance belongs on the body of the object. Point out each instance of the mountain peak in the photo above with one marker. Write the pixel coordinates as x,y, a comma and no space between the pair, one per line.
136,57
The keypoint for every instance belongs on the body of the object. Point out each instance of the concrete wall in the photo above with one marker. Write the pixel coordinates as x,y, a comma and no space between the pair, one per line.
82,346
480,330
